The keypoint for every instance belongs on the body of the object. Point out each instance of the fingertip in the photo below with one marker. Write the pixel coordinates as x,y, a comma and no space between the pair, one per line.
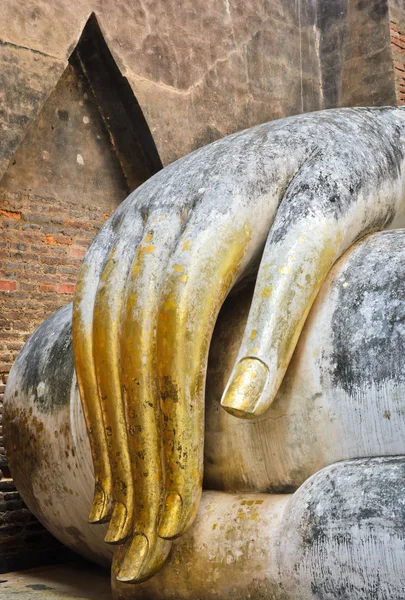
170,525
120,525
140,558
243,396
101,507
129,570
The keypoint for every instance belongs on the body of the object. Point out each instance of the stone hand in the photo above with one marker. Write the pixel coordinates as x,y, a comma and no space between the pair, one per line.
294,195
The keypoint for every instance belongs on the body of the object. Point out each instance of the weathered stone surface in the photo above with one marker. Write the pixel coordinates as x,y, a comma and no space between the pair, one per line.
367,74
355,54
26,80
202,70
67,151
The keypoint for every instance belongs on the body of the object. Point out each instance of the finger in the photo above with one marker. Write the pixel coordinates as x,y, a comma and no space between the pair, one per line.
318,219
107,310
146,552
140,558
82,327
200,274
289,278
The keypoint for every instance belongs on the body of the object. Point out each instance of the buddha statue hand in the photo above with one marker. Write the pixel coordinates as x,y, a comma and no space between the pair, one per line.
290,196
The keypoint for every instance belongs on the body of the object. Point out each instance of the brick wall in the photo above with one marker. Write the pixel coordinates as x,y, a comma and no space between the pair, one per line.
397,31
42,242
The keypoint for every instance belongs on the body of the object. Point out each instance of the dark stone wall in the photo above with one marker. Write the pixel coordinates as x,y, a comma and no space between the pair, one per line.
201,70
355,53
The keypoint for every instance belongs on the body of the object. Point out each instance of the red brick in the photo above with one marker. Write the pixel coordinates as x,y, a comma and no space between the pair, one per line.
10,214
80,225
47,288
7,285
397,44
14,346
398,50
57,239
77,251
65,288
53,260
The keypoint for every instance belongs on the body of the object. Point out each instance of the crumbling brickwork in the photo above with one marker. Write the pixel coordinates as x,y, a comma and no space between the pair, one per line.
41,246
397,31
43,241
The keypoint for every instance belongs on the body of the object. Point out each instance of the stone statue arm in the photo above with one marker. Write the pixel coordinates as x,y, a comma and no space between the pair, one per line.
292,195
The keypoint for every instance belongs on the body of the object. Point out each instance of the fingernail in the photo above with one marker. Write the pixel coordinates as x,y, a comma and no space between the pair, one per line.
101,507
243,394
119,527
170,523
134,557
